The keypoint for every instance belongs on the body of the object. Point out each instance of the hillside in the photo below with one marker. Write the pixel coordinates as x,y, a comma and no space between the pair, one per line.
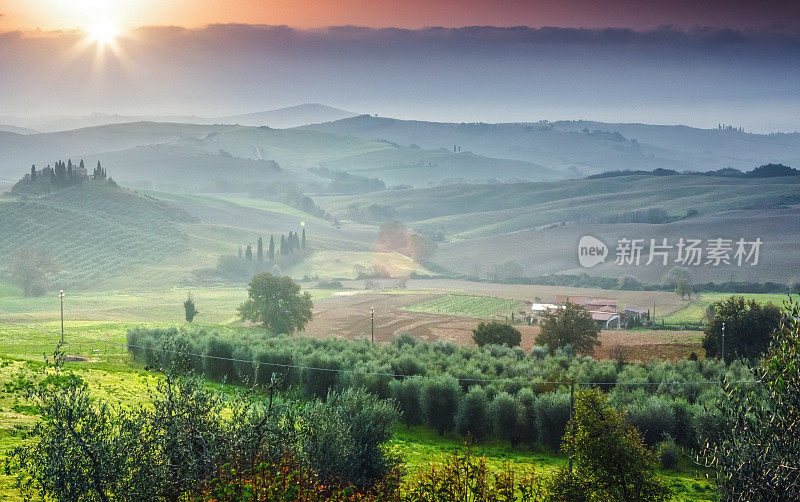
416,167
293,116
539,225
16,130
194,156
93,230
582,148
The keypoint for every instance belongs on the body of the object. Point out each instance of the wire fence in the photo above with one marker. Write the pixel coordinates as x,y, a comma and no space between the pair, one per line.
546,378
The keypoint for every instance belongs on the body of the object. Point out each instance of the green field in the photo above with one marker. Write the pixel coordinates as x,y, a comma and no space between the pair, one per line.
113,377
696,311
466,305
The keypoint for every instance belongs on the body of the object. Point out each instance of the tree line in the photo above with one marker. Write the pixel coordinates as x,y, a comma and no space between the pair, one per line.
277,253
61,175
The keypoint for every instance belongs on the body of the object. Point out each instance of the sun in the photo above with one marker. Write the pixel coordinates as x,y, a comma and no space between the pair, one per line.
102,32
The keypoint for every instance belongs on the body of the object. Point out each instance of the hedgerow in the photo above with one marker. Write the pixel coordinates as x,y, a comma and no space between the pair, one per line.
489,391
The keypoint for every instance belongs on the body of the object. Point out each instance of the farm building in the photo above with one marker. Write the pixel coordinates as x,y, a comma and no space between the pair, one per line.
605,311
637,314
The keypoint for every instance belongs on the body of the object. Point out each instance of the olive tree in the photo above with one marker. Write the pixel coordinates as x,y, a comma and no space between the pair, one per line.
611,461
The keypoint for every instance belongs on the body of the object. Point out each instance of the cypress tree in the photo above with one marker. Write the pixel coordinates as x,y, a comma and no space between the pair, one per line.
260,249
271,248
248,253
303,244
284,248
33,172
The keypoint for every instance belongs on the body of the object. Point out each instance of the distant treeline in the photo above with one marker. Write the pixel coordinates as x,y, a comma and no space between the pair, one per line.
287,251
510,272
765,171
631,284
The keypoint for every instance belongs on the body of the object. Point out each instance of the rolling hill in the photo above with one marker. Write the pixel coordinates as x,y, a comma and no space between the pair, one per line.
196,155
538,225
93,230
293,116
579,148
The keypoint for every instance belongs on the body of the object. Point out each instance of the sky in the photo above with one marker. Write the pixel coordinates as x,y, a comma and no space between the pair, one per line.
674,62
637,14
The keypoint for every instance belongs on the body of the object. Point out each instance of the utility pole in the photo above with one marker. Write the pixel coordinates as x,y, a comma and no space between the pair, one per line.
723,342
372,322
61,296
653,320
572,420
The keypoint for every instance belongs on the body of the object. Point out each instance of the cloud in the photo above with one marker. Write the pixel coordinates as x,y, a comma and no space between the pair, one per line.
484,72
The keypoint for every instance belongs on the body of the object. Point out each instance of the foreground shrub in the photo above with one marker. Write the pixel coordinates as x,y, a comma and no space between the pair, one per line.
344,438
289,480
612,463
84,449
441,397
757,453
464,477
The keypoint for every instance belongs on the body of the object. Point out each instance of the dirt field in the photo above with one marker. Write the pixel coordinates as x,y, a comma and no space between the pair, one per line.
347,315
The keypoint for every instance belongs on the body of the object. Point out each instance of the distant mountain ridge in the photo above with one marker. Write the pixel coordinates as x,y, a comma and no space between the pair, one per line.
582,148
292,116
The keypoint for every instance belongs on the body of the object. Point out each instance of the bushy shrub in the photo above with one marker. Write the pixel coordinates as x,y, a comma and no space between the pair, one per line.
473,414
441,396
653,418
370,377
278,362
320,376
505,413
344,439
526,400
685,422
668,454
496,333
243,365
407,366
217,364
404,339
552,415
407,394
464,477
